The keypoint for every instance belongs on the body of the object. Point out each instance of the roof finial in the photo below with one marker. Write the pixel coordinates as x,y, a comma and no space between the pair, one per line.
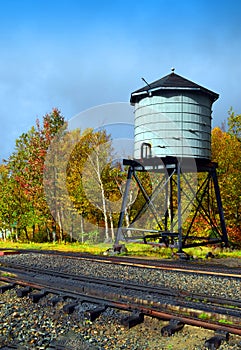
146,82
173,70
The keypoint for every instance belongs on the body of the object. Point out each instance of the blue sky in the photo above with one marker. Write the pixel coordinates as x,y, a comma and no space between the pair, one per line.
74,54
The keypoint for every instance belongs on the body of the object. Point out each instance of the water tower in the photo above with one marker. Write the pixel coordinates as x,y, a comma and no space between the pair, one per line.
172,168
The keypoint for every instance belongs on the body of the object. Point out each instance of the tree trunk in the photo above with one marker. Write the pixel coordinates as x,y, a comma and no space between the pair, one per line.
33,232
54,229
104,209
82,229
26,233
111,226
16,233
60,226
4,235
48,233
105,213
71,232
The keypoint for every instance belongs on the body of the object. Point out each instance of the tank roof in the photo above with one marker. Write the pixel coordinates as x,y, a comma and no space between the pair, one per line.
170,82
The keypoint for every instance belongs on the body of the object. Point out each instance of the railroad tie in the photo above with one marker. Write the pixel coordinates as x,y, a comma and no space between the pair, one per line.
93,314
173,327
6,287
132,320
70,307
56,299
37,296
215,342
23,292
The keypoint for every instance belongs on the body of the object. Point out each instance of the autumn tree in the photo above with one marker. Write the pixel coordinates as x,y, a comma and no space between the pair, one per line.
55,183
92,181
26,165
226,151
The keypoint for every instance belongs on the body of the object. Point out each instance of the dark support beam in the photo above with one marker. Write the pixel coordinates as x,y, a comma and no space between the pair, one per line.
220,207
179,204
124,204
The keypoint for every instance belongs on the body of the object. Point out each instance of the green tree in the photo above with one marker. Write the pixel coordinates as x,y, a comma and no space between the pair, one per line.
8,206
234,124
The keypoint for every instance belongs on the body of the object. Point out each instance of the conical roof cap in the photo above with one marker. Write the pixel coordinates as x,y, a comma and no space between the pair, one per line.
170,82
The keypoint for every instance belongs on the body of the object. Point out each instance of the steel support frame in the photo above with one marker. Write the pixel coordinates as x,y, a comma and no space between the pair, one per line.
164,233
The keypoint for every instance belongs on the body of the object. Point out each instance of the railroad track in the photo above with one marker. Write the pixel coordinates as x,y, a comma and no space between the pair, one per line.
138,300
179,296
150,300
193,266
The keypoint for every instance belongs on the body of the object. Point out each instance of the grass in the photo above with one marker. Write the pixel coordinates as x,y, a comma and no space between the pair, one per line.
222,321
73,247
134,249
7,274
203,316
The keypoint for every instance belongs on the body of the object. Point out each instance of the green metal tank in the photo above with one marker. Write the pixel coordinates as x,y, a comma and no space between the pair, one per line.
173,117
